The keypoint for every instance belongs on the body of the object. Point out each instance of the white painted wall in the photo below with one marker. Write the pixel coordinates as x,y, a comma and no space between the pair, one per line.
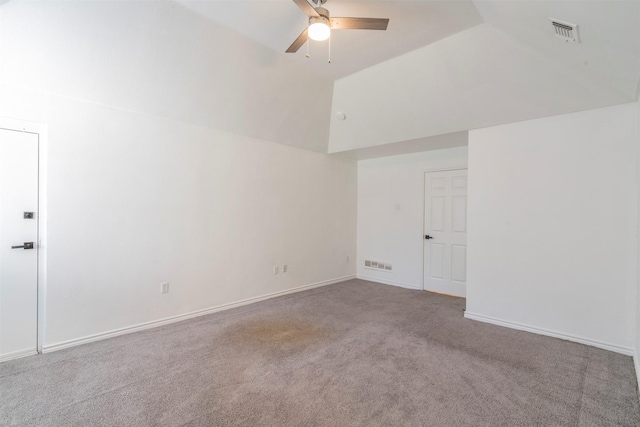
142,186
135,200
430,91
636,356
553,225
163,59
391,212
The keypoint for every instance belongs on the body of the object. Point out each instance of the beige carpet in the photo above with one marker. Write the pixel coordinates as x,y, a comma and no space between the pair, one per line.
350,354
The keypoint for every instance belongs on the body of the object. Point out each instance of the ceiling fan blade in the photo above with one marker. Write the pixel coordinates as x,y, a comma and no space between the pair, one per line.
306,8
302,38
359,23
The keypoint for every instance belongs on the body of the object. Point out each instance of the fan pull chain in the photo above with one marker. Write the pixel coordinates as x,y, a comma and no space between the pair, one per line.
308,43
329,50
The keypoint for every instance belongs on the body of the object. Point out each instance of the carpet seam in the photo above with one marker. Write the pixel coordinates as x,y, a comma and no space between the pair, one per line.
582,385
59,408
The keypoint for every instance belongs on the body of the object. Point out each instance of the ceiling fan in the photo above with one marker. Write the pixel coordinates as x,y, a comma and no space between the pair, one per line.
321,24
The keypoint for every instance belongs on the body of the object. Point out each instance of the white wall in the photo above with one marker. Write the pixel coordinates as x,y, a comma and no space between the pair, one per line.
135,200
163,59
553,225
431,91
391,212
636,357
140,192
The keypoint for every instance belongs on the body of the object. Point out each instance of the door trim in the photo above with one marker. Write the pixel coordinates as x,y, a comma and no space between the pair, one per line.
40,130
424,189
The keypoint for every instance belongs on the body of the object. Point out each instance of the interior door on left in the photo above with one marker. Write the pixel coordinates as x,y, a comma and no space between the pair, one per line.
18,243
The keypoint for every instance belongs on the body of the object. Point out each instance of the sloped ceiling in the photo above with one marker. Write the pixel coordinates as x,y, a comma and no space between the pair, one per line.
478,78
450,66
441,69
609,48
277,23
159,58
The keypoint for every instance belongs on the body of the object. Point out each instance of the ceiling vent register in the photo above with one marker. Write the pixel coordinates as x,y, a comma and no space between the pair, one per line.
565,31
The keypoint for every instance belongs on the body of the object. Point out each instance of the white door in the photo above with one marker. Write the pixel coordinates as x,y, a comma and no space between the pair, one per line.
18,227
445,232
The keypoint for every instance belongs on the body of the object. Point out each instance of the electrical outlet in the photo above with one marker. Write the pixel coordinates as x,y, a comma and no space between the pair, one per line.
276,269
284,268
164,287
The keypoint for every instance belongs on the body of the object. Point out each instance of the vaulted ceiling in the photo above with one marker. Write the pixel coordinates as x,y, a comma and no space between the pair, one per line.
277,23
441,69
449,66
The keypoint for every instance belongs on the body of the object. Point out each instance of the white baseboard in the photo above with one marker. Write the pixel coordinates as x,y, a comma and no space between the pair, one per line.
17,355
541,331
389,282
190,315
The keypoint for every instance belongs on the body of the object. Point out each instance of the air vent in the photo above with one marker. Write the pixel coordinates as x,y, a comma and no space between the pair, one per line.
377,265
565,31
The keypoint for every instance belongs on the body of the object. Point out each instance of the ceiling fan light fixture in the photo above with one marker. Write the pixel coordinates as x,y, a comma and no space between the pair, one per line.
319,29
321,25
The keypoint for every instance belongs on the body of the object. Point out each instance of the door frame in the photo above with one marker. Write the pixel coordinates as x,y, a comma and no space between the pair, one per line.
424,212
40,130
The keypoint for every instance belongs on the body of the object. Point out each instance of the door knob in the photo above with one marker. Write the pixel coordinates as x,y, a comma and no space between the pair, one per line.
428,237
27,245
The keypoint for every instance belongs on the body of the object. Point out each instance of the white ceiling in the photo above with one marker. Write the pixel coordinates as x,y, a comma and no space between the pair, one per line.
609,29
438,142
609,48
461,64
277,23
441,69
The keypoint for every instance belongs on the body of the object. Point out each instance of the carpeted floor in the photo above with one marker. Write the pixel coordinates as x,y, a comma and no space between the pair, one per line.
351,354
